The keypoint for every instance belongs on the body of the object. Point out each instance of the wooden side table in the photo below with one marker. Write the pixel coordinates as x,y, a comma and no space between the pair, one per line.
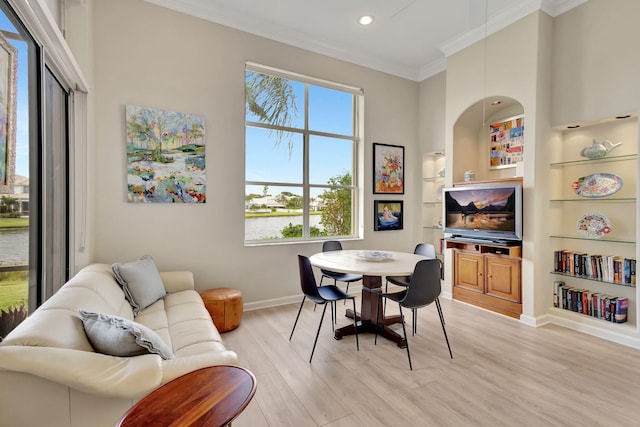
225,307
211,397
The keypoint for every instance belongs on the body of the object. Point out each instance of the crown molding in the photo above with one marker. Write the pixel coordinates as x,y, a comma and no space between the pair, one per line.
505,18
558,7
432,68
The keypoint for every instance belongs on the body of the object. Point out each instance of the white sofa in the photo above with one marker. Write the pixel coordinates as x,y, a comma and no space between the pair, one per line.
50,374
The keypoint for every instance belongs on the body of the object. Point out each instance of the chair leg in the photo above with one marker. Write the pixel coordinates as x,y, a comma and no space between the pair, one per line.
318,333
297,317
439,310
375,341
404,331
334,316
355,324
386,289
414,320
443,329
346,291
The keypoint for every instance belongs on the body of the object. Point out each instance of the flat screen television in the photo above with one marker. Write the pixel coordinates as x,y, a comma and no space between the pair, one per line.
485,212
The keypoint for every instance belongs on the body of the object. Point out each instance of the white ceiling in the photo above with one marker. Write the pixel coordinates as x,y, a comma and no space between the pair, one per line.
408,38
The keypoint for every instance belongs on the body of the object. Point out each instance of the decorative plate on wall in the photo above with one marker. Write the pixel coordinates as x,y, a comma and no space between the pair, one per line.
594,225
597,185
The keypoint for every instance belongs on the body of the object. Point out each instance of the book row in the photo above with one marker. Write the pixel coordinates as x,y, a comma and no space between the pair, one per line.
607,307
606,268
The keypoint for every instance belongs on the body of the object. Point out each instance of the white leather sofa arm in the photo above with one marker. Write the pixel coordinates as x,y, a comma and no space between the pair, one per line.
175,281
95,373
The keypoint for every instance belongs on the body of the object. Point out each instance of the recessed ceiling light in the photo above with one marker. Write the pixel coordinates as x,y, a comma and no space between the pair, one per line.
496,102
623,117
365,20
573,126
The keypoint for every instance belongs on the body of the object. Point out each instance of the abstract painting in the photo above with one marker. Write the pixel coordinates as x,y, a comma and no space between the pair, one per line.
506,143
165,156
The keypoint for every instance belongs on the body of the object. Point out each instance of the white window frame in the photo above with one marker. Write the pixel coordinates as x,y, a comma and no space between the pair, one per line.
356,183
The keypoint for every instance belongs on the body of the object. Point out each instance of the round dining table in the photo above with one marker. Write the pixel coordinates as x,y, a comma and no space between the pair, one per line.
373,265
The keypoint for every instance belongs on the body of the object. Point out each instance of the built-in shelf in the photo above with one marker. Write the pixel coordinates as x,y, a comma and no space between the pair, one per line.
627,327
595,240
628,285
434,179
589,161
603,199
432,202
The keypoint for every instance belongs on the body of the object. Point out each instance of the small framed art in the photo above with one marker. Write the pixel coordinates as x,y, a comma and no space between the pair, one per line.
388,215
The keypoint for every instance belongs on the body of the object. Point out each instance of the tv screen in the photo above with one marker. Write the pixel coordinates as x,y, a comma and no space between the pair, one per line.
485,211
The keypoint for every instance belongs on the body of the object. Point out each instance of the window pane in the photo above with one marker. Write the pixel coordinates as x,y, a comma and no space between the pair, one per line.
329,158
274,100
268,161
330,111
336,208
274,212
14,207
317,165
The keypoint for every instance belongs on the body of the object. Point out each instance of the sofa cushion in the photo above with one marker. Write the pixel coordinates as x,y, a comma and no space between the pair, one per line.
117,336
140,281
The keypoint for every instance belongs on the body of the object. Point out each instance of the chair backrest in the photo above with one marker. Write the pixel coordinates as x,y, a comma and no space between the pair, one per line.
308,280
331,245
425,249
425,284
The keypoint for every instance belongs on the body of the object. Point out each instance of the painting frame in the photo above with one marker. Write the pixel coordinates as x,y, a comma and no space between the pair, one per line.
383,207
506,142
8,100
388,169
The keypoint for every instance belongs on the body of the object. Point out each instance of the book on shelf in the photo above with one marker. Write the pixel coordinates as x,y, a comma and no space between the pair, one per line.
622,306
594,304
605,268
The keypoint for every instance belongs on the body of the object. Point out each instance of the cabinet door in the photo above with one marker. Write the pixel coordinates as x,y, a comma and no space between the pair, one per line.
503,278
468,271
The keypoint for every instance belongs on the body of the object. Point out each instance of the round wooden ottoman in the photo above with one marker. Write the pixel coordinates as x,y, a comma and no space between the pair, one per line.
225,307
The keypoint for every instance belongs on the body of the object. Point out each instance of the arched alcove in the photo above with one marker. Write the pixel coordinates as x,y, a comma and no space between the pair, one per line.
471,138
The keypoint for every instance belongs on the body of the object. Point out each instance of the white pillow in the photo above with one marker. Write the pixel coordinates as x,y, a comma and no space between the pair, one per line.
117,336
140,281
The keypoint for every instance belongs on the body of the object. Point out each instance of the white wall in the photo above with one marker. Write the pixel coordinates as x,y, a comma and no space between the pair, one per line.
150,56
596,61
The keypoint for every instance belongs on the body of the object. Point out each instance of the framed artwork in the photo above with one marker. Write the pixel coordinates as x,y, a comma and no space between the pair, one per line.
165,156
8,69
388,169
506,142
388,215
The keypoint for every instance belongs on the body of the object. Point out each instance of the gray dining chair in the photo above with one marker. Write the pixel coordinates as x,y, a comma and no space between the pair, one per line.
425,289
320,295
425,249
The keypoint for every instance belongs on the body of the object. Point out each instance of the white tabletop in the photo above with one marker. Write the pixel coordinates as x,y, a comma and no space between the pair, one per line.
361,262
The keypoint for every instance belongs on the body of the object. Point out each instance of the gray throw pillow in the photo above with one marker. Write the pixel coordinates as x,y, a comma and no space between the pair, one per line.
140,281
117,336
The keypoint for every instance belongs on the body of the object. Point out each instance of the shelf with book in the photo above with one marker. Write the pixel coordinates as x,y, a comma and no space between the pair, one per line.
593,207
558,273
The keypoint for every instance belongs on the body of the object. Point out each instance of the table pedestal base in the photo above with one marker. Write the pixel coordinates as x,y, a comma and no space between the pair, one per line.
371,289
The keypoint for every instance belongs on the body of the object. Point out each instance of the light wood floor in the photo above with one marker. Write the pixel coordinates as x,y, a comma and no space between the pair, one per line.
503,373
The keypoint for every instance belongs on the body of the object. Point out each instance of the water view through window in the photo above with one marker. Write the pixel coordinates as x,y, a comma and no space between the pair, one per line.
14,204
